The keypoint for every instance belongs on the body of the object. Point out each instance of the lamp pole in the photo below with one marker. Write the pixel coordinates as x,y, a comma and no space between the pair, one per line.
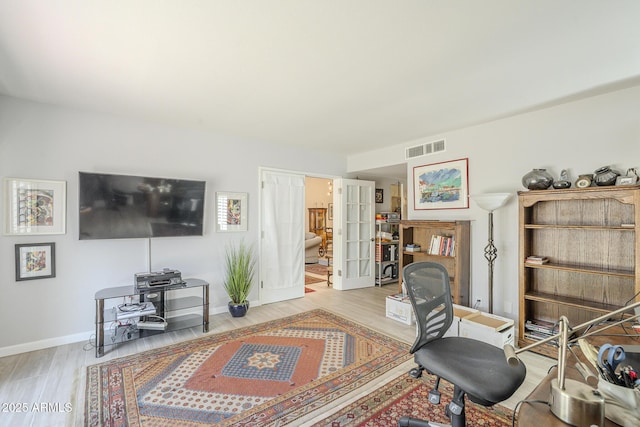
490,202
490,253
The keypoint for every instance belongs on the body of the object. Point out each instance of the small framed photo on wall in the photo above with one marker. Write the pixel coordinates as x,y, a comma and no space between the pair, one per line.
231,211
379,195
35,261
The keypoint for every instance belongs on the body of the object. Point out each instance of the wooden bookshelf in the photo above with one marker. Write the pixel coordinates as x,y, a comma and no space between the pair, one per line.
590,238
421,232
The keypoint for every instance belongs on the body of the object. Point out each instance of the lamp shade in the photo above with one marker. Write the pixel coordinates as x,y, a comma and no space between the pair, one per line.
491,201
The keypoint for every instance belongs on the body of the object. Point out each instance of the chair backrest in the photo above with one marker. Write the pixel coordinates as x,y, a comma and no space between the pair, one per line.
428,288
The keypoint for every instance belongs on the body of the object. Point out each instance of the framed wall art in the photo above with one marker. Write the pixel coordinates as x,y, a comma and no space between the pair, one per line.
35,261
231,211
34,206
379,195
443,185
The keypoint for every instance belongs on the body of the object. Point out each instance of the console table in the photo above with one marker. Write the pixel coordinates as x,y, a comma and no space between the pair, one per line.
172,303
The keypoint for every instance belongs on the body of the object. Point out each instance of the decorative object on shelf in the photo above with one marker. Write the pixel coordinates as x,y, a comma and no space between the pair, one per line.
379,195
394,271
35,261
239,271
443,185
631,178
605,176
34,206
537,179
584,181
491,202
231,211
563,182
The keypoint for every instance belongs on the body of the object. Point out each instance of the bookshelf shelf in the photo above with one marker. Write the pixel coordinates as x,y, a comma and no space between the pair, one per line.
583,269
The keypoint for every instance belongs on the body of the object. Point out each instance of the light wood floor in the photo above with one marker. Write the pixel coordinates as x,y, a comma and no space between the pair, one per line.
56,376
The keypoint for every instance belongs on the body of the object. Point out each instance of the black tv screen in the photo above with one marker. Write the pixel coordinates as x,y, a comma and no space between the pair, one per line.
122,206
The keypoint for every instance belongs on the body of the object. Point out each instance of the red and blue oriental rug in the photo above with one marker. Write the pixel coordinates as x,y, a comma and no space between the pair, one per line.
268,374
406,396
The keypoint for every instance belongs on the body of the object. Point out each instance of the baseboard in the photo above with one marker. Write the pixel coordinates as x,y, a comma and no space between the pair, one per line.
84,336
46,343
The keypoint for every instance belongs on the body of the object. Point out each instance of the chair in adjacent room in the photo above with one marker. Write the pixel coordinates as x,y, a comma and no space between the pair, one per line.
476,369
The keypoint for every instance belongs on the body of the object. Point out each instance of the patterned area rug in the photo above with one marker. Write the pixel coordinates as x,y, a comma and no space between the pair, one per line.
264,375
310,279
405,396
316,269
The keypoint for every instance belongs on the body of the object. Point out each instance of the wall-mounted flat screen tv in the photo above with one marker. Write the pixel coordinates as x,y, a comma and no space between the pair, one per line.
122,206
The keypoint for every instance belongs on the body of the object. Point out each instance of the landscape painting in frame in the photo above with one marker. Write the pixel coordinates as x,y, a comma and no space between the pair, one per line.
442,185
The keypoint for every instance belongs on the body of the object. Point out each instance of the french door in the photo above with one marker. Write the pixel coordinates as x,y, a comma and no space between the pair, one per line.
354,239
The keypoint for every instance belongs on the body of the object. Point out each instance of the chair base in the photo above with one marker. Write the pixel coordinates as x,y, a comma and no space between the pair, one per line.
413,422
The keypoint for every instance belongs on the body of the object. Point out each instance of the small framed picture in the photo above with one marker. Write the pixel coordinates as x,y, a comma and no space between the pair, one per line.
231,211
34,206
35,261
379,195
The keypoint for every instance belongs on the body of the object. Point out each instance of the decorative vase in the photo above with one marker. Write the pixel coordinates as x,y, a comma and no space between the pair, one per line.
563,182
537,179
238,310
605,176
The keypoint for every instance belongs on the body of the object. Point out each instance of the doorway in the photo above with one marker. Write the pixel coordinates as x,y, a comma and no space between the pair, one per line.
318,232
283,221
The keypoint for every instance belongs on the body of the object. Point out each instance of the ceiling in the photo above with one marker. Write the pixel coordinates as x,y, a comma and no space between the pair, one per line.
348,76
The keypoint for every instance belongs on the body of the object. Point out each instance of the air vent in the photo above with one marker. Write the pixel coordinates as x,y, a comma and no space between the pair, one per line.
425,149
416,151
438,146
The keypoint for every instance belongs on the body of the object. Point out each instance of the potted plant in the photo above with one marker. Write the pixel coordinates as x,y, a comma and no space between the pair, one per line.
240,265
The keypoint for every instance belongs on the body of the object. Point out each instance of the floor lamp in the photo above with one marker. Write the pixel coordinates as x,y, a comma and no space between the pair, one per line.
491,202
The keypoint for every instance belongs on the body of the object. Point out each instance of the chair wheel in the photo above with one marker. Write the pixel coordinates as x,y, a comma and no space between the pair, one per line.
434,397
415,373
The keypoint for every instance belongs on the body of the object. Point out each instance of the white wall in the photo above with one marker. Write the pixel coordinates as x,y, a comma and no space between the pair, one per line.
44,142
579,136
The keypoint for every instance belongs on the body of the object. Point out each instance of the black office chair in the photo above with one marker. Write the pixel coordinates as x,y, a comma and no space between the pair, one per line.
475,368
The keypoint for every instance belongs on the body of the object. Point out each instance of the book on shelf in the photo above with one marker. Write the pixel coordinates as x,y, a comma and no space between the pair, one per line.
442,245
540,329
536,259
535,336
540,326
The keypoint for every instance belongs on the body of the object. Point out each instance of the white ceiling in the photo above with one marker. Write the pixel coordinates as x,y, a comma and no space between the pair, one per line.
345,75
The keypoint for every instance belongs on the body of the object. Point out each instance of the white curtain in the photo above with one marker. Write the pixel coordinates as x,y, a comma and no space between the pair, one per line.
282,243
